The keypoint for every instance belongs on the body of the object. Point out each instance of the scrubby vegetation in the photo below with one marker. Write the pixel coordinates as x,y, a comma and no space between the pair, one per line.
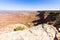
18,28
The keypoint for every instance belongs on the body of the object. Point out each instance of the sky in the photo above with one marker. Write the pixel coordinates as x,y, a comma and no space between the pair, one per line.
29,4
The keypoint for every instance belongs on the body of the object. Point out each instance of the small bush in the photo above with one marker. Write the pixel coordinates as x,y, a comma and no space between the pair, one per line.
18,28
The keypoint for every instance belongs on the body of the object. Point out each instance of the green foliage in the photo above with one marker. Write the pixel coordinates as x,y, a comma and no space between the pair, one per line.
18,28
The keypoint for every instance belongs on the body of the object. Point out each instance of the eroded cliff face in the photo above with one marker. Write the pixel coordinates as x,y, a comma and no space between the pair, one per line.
48,17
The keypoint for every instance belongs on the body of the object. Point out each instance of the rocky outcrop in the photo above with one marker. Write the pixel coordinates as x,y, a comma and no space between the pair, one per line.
47,32
10,28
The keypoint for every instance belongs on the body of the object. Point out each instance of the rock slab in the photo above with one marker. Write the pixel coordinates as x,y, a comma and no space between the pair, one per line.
34,33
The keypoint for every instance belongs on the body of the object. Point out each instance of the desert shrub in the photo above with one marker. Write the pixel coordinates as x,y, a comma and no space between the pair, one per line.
18,28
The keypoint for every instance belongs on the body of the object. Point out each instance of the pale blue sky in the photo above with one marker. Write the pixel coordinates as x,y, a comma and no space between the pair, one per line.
29,4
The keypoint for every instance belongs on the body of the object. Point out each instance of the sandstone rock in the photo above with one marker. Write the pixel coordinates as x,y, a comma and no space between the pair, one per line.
34,33
10,28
